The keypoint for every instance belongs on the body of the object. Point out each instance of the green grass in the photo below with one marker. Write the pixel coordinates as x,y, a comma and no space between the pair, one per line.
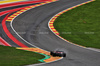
9,56
81,25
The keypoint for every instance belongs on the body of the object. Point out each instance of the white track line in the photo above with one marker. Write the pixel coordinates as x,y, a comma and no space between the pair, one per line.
65,40
43,63
27,41
34,45
16,31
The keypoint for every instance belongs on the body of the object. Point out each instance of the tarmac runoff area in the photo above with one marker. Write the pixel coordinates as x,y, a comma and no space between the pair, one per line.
38,19
77,56
10,1
48,57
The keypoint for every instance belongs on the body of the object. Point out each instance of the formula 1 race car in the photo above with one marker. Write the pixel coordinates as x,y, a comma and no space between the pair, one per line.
58,53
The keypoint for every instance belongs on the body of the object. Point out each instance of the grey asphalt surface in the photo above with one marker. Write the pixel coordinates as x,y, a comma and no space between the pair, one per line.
32,25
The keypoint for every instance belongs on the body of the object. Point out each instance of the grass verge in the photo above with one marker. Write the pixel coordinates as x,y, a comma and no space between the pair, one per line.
81,25
9,56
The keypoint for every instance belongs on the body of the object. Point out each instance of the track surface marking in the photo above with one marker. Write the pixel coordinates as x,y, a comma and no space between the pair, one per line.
34,23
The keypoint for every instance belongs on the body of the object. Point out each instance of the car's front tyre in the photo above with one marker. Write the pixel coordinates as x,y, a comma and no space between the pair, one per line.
64,55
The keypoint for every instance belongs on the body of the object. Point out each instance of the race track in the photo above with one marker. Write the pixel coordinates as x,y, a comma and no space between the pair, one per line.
32,26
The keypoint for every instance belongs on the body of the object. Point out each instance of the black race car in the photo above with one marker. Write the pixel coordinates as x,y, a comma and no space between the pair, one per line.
58,53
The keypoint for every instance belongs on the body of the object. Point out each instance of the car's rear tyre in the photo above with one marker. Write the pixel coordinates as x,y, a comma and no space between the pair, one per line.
51,53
